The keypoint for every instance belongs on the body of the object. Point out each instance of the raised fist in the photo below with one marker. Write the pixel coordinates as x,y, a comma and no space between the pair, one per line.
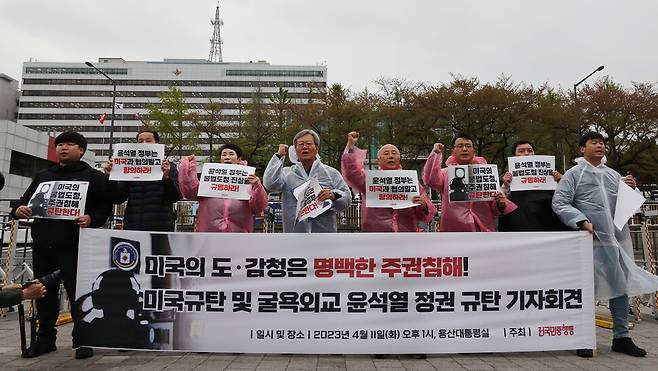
283,150
352,138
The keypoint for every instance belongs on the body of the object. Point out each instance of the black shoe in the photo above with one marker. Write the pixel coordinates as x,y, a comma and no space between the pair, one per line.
39,348
84,352
627,346
585,353
419,356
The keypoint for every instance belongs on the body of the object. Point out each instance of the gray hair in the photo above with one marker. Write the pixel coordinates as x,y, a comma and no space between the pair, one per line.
316,137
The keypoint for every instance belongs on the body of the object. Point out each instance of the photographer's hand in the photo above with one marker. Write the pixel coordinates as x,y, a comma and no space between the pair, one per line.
34,290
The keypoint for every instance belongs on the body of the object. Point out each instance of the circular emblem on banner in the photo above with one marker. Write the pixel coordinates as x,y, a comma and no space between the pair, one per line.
125,256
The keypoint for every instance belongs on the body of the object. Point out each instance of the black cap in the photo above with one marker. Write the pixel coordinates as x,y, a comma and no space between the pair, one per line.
72,137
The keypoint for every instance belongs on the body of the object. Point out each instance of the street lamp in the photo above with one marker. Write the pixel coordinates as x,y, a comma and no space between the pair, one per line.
575,98
114,97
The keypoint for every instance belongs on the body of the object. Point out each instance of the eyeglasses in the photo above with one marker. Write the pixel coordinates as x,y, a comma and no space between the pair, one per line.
304,144
467,146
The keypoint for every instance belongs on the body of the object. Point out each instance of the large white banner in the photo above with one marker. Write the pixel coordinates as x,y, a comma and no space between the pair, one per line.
225,181
391,188
137,162
336,293
59,200
532,173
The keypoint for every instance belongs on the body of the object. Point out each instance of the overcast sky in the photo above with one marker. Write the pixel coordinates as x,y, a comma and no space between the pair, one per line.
558,41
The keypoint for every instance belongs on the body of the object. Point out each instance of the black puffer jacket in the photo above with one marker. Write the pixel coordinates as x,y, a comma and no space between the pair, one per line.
534,213
149,203
60,233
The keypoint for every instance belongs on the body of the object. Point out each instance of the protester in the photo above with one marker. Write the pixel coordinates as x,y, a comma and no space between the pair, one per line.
585,199
223,214
11,295
468,216
55,241
382,219
150,203
278,178
534,212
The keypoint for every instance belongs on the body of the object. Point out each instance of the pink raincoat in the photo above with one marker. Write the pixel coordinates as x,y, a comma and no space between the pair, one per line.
478,216
221,214
381,219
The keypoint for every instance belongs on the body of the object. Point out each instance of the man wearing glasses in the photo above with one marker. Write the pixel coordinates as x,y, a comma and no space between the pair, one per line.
285,180
468,216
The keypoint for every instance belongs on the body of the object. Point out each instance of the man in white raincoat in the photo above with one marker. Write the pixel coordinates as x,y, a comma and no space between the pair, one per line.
585,199
285,179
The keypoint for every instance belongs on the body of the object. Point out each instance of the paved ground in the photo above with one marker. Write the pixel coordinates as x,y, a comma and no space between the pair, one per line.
645,334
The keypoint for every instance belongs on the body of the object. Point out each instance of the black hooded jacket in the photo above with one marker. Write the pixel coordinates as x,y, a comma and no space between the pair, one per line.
60,233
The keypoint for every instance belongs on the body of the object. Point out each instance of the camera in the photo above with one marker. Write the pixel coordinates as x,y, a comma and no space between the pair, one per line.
48,280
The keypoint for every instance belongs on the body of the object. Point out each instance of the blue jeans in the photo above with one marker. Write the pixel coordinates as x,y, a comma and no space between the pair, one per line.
619,311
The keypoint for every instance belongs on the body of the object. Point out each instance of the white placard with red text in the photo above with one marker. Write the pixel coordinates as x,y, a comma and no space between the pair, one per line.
336,293
137,162
59,200
391,188
225,181
307,204
532,173
477,182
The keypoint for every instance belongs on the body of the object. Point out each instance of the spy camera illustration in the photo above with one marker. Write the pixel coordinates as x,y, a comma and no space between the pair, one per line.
111,314
457,187
39,201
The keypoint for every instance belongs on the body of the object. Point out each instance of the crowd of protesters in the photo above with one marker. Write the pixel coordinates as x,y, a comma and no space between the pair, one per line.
584,200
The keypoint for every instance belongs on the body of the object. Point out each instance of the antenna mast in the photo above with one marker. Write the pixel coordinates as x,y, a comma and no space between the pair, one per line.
216,40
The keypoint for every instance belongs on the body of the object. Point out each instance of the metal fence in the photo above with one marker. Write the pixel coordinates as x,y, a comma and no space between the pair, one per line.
16,250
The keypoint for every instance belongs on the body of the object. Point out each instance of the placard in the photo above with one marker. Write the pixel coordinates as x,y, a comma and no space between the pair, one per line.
532,173
137,162
225,181
307,204
59,200
478,182
391,188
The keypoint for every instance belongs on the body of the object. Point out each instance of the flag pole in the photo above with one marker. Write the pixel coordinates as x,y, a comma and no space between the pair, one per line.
103,138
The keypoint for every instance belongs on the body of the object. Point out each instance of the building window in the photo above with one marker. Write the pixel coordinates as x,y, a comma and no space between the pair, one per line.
274,73
154,94
75,71
264,84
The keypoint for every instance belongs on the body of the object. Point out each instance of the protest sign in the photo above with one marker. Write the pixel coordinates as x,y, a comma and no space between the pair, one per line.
472,182
391,188
225,181
307,204
137,162
59,200
628,203
532,173
345,293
